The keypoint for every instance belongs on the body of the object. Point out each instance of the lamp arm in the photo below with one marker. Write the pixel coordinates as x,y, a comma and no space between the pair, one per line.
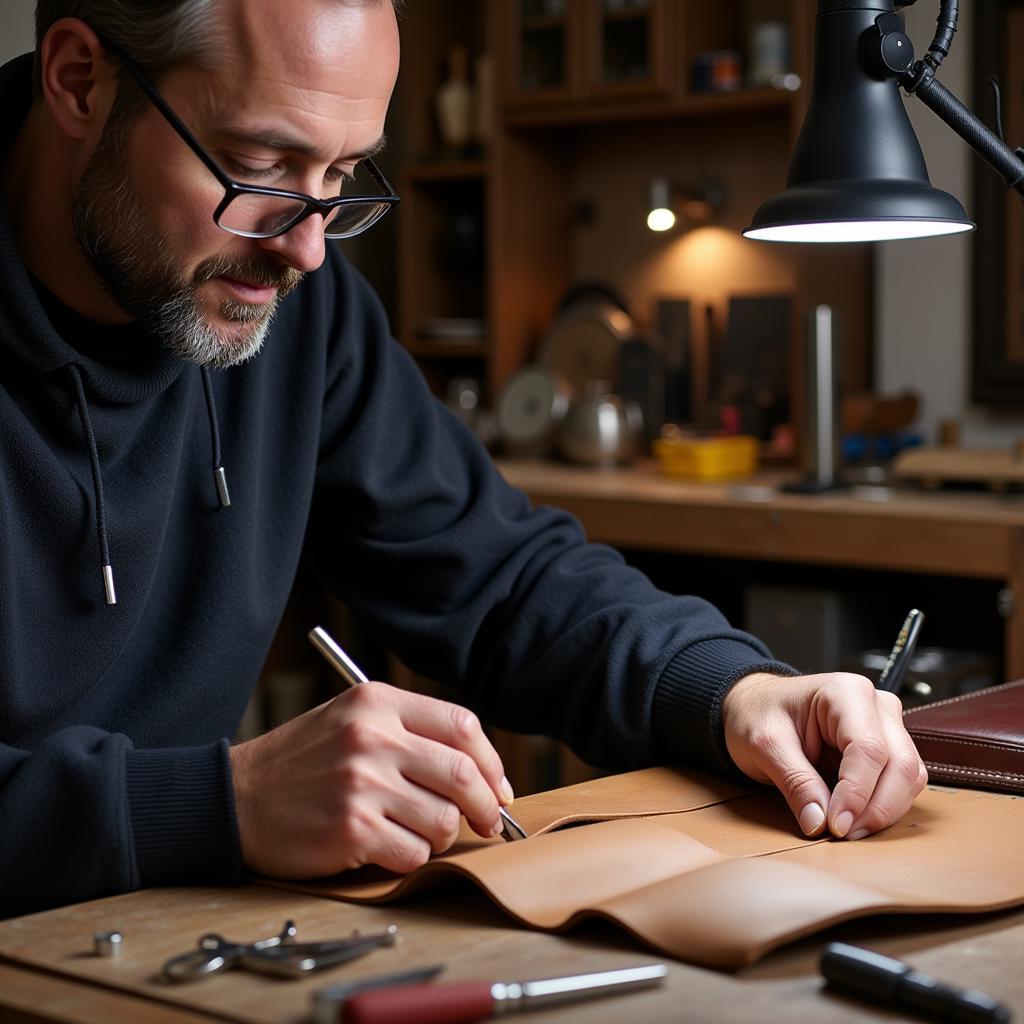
944,32
920,81
923,84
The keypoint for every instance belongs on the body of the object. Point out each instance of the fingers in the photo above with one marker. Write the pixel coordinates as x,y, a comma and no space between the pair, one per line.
405,824
765,721
368,837
880,774
436,749
778,730
377,775
853,727
902,779
458,728
448,773
781,757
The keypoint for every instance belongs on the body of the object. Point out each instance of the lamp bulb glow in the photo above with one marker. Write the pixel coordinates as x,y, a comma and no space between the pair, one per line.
858,231
661,219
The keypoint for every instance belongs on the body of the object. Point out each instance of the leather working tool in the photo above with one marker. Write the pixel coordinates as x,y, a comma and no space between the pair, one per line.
464,1001
279,954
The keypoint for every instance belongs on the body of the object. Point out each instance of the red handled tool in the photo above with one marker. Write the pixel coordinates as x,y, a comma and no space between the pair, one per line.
455,1002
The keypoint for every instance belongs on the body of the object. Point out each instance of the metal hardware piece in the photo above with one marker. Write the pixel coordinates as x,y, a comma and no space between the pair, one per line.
107,943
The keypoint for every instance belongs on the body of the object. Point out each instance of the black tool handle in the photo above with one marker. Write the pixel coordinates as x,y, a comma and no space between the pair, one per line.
889,982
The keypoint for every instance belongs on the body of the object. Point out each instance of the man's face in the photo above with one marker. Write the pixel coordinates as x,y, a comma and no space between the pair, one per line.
303,93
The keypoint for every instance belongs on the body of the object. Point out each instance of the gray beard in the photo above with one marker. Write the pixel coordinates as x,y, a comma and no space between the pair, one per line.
132,261
181,327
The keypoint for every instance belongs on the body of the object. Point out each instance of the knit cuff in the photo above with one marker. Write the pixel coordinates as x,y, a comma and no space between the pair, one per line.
182,813
687,708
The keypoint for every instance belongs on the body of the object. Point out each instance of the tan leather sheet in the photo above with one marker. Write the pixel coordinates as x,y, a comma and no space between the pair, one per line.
708,872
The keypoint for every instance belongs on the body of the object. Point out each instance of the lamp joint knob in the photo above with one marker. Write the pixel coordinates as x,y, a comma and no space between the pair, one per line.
890,51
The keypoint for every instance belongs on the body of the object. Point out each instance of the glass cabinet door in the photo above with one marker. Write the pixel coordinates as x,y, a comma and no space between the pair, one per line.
543,36
568,50
628,46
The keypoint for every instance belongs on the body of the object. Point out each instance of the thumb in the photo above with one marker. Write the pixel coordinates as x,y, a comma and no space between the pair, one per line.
785,763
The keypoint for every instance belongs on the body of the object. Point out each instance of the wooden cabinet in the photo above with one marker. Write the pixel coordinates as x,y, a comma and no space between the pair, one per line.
592,99
564,51
577,60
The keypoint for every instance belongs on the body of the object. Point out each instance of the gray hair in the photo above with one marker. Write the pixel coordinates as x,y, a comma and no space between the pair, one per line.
157,34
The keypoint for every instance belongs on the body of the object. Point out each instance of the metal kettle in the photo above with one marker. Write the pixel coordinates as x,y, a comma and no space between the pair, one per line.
600,428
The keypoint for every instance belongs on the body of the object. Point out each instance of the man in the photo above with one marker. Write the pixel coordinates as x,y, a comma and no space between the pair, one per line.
139,596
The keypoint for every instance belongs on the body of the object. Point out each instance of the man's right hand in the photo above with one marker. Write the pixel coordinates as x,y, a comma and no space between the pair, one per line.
377,775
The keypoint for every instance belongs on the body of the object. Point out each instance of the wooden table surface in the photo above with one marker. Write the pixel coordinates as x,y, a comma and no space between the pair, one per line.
971,535
48,972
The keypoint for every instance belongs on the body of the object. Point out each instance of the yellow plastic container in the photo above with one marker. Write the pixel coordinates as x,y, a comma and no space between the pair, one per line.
708,458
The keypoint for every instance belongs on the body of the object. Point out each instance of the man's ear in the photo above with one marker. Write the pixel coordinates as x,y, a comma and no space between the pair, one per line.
79,84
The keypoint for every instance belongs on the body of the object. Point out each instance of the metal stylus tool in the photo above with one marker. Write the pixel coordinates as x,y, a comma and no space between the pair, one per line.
511,830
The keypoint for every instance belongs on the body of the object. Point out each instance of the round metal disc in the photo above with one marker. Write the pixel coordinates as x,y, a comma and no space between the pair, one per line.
529,407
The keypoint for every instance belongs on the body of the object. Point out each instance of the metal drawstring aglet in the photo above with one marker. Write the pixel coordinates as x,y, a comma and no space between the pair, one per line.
222,487
108,584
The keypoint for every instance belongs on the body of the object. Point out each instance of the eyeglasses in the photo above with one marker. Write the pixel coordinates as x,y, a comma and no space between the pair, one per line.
255,212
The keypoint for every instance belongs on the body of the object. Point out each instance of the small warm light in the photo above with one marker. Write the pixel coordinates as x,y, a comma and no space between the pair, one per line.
666,200
857,230
661,219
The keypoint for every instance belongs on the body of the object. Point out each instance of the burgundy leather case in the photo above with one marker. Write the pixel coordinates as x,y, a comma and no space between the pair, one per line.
975,740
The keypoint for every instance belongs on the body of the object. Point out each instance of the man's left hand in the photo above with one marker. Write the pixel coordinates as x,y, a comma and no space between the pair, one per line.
781,730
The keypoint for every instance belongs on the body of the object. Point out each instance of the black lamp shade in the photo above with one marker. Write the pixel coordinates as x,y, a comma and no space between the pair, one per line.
857,173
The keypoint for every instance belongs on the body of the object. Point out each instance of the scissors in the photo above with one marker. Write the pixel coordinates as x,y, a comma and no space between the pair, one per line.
278,954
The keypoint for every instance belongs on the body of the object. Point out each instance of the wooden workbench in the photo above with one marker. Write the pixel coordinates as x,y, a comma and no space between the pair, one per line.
48,973
975,536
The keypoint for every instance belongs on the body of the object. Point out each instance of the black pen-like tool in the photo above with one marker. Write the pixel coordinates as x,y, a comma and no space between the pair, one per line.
889,982
895,669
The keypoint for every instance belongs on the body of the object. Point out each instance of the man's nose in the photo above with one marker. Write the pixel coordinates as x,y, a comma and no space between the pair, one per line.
303,247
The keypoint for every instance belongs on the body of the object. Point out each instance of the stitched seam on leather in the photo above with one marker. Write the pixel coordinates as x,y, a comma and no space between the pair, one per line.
787,849
1002,688
984,773
949,741
597,817
573,819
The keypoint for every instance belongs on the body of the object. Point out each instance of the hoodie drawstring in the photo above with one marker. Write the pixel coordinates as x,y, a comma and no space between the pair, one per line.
218,470
97,483
97,480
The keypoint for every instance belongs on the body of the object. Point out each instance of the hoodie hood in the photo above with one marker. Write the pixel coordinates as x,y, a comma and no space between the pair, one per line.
37,346
58,347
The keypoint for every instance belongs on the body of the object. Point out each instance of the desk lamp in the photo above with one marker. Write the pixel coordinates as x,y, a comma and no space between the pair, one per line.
858,173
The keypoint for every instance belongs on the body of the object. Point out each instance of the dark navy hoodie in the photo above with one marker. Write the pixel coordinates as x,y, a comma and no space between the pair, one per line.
114,768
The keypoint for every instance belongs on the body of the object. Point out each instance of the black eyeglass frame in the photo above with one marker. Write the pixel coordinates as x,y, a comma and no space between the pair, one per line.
233,189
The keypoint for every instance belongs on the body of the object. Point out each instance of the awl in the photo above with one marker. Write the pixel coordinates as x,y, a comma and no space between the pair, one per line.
455,1002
